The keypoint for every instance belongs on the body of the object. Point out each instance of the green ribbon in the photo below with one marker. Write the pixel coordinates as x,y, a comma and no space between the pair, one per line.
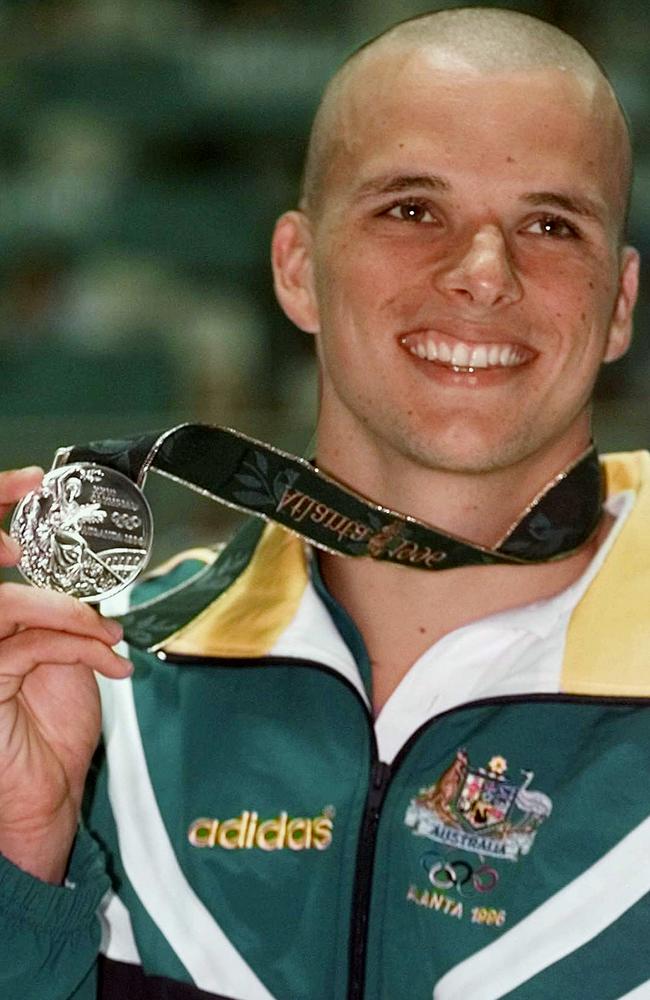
241,472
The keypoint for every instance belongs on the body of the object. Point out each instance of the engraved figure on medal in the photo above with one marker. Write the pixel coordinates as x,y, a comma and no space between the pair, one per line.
86,532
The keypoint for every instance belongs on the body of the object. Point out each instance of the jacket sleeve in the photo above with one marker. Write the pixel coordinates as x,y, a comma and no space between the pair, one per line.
50,935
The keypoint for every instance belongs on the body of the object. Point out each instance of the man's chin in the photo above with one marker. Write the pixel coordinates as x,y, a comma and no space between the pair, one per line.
473,457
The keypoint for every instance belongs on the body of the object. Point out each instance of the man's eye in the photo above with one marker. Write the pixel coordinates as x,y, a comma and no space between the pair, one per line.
553,225
411,211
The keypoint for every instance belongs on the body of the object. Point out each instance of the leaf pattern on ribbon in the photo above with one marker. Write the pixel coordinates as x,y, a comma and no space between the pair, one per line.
242,477
142,630
282,480
261,491
159,620
542,530
222,573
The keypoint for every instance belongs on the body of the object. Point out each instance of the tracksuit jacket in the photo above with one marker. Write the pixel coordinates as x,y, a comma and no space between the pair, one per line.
242,839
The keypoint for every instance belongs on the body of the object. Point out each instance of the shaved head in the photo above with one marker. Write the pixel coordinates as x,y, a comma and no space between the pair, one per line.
471,40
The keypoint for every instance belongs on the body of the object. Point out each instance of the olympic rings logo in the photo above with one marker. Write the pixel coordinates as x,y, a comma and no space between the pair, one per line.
127,522
459,875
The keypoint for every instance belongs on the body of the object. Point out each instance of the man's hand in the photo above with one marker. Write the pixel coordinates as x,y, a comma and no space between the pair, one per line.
50,644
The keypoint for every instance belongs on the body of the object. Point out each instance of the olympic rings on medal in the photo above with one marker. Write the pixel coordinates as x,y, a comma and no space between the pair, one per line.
459,874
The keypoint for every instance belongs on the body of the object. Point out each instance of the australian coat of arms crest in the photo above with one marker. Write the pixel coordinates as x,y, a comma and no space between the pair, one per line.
480,809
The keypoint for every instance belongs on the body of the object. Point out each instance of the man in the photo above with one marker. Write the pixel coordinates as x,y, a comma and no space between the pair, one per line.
346,778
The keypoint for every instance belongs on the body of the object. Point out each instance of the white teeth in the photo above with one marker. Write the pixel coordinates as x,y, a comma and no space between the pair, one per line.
460,356
479,357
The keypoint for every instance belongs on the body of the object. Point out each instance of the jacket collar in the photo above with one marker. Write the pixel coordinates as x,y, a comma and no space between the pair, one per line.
609,635
250,598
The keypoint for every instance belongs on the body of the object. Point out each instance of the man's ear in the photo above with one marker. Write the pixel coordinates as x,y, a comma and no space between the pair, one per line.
291,255
620,329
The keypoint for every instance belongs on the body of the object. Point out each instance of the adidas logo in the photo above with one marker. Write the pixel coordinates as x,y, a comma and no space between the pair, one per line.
247,831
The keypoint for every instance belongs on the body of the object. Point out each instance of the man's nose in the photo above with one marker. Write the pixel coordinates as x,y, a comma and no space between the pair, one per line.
482,271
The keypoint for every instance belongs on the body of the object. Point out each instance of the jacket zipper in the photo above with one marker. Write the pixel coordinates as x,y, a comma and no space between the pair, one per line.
380,777
379,780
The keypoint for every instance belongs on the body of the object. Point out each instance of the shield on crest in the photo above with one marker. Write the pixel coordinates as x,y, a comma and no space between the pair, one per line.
484,800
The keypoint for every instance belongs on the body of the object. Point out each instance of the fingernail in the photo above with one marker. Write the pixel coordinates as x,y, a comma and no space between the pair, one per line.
114,629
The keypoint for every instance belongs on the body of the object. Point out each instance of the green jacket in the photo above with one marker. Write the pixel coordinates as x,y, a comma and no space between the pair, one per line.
257,848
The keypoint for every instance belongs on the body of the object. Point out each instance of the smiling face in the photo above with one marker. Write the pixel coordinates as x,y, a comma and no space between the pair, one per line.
462,271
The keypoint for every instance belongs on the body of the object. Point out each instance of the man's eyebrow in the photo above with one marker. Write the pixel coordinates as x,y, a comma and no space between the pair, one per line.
584,207
393,183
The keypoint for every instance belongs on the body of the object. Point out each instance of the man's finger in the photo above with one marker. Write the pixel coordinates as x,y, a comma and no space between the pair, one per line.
15,484
13,487
10,551
23,607
23,652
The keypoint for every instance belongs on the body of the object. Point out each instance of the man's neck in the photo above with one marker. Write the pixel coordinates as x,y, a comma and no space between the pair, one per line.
400,611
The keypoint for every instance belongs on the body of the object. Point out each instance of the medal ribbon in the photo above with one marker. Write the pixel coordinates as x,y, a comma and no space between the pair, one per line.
258,479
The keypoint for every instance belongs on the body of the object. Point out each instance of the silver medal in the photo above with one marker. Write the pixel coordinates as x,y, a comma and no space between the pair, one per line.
87,531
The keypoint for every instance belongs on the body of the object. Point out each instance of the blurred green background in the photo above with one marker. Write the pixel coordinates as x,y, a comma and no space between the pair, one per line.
147,147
